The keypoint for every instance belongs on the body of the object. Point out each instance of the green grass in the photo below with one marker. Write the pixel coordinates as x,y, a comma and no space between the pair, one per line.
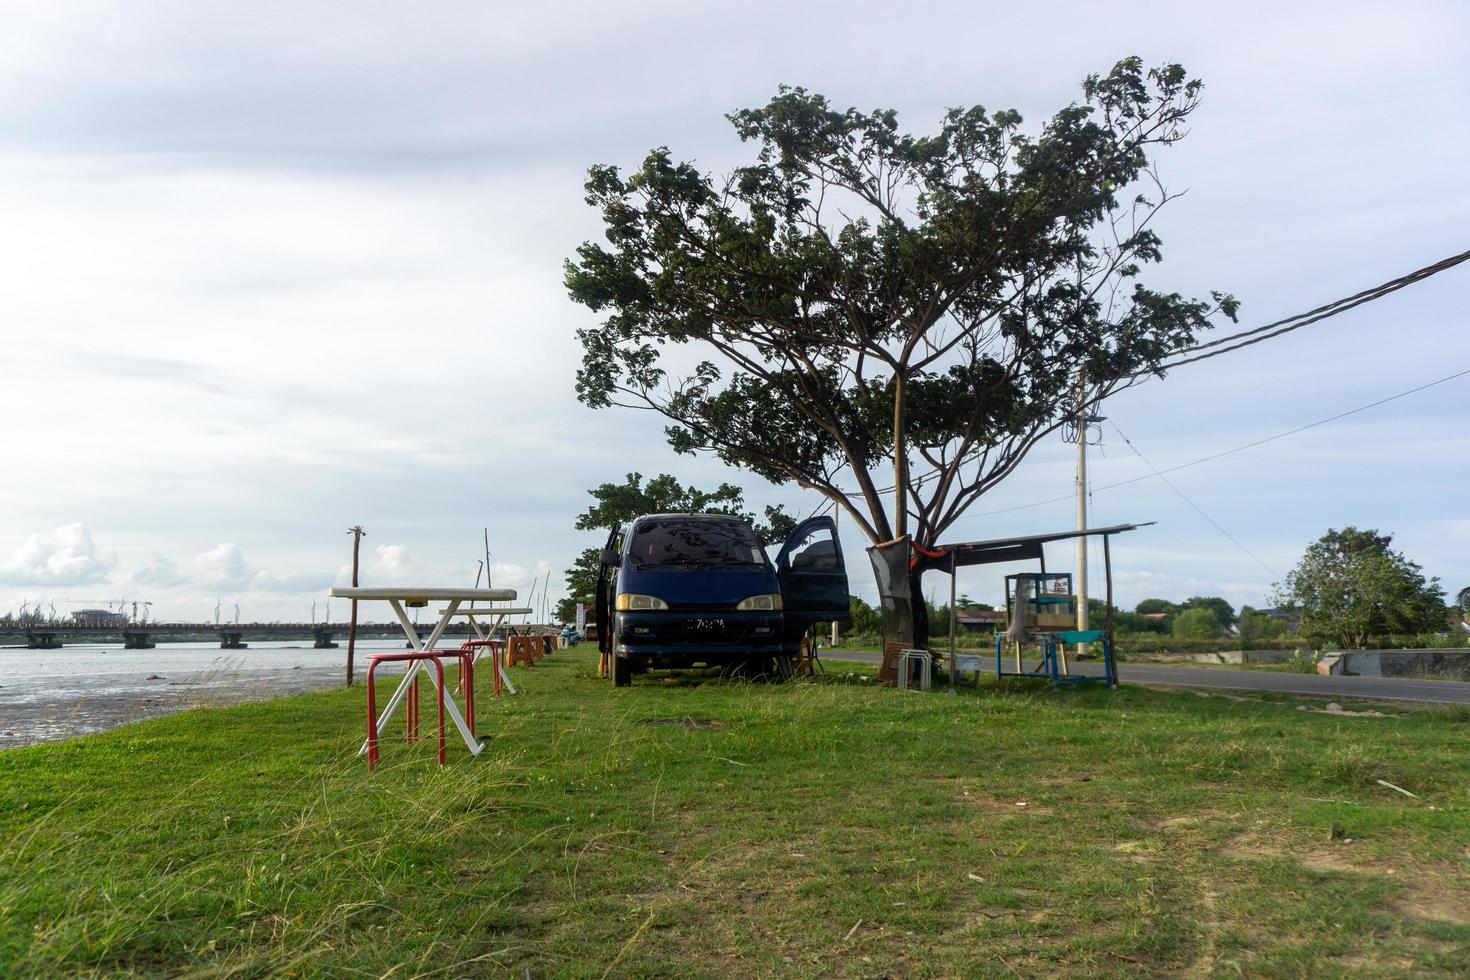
684,826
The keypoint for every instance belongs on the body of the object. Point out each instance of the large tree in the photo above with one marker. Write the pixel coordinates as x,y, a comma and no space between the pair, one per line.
1351,587
859,299
619,503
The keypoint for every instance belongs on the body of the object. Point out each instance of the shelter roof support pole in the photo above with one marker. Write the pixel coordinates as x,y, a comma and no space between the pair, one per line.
952,617
1108,575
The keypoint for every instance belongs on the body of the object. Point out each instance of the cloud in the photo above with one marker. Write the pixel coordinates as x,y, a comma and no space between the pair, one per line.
222,568
160,572
393,559
66,556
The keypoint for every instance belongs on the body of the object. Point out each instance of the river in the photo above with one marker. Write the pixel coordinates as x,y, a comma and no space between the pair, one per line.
49,695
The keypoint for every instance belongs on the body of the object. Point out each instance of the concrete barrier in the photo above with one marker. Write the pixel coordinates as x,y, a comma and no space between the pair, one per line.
1450,664
1218,657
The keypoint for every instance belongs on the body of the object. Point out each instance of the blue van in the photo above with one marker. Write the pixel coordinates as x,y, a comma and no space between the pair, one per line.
697,590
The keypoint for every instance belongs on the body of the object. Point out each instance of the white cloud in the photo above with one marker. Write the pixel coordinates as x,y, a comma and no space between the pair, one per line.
160,572
222,568
66,556
393,559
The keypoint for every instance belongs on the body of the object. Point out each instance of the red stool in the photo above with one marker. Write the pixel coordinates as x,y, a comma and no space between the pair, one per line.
412,708
496,647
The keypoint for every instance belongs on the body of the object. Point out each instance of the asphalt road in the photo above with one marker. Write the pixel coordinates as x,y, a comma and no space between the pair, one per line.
1230,679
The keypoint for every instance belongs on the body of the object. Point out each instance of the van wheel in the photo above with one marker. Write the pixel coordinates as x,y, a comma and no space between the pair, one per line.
622,670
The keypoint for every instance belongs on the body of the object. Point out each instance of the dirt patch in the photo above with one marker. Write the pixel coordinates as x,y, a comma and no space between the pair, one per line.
689,723
1333,708
1436,900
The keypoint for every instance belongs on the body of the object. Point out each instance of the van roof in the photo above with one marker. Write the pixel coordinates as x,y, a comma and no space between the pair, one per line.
703,517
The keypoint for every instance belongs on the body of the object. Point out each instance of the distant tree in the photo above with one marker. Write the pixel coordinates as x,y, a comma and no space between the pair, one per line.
1462,599
619,503
1224,611
1350,586
1198,623
1132,622
864,619
1155,606
1256,626
858,300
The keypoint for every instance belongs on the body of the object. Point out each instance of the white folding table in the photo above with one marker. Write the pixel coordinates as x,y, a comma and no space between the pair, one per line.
495,615
400,595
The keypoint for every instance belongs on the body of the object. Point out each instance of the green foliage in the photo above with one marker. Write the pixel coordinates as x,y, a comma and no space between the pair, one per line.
619,503
1350,586
1256,627
859,295
1304,663
1462,600
1150,606
1223,611
1196,624
865,620
1132,622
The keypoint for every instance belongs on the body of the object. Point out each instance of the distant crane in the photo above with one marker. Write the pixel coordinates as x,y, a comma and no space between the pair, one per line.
216,612
237,613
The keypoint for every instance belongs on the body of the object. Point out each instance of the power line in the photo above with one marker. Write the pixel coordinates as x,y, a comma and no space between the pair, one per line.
1279,327
1199,510
1237,449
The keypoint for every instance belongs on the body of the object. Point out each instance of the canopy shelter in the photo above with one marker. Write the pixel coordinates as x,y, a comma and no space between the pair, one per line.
899,566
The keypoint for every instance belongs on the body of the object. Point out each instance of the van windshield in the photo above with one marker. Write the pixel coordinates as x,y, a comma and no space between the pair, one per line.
685,541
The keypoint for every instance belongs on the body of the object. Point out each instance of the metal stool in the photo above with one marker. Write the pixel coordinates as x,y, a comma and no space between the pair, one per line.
411,721
926,668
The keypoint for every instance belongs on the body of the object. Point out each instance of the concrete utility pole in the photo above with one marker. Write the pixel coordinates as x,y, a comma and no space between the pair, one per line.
1081,581
357,532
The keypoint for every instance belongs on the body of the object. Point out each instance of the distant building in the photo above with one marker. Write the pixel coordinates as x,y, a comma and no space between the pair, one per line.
979,619
98,617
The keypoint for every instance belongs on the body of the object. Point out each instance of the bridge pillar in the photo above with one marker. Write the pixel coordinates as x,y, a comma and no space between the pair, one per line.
324,640
230,640
44,640
137,640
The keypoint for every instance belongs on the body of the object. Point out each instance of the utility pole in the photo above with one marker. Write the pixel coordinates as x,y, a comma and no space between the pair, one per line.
357,532
1081,582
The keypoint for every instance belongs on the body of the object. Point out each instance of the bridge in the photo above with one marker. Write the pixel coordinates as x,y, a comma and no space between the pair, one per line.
231,636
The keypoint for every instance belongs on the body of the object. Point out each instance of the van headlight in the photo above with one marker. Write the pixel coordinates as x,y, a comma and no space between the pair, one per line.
633,602
770,602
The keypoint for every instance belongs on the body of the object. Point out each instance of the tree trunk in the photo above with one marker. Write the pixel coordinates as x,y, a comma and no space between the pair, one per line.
900,459
921,611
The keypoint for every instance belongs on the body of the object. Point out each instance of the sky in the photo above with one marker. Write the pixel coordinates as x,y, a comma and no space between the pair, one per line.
274,269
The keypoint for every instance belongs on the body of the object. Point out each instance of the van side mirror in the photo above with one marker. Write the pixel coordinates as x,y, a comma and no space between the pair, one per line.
610,556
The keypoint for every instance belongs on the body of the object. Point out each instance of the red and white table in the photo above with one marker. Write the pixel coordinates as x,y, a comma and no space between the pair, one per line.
397,597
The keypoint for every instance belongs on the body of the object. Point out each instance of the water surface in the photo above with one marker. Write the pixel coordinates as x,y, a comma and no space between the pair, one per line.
47,695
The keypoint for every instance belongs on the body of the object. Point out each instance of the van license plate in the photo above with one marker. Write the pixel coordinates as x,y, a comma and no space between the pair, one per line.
704,625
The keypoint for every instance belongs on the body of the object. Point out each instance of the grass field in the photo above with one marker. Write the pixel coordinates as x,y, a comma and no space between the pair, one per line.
685,826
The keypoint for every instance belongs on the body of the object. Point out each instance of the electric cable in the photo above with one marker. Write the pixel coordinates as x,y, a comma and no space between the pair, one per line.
1199,510
1231,452
1288,324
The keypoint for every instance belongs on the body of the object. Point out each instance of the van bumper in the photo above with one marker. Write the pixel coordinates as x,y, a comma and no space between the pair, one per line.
685,639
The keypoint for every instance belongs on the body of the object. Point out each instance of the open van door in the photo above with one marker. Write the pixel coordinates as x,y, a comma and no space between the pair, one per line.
602,600
813,578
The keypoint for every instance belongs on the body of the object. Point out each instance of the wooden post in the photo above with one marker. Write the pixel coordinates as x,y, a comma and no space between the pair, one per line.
357,532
